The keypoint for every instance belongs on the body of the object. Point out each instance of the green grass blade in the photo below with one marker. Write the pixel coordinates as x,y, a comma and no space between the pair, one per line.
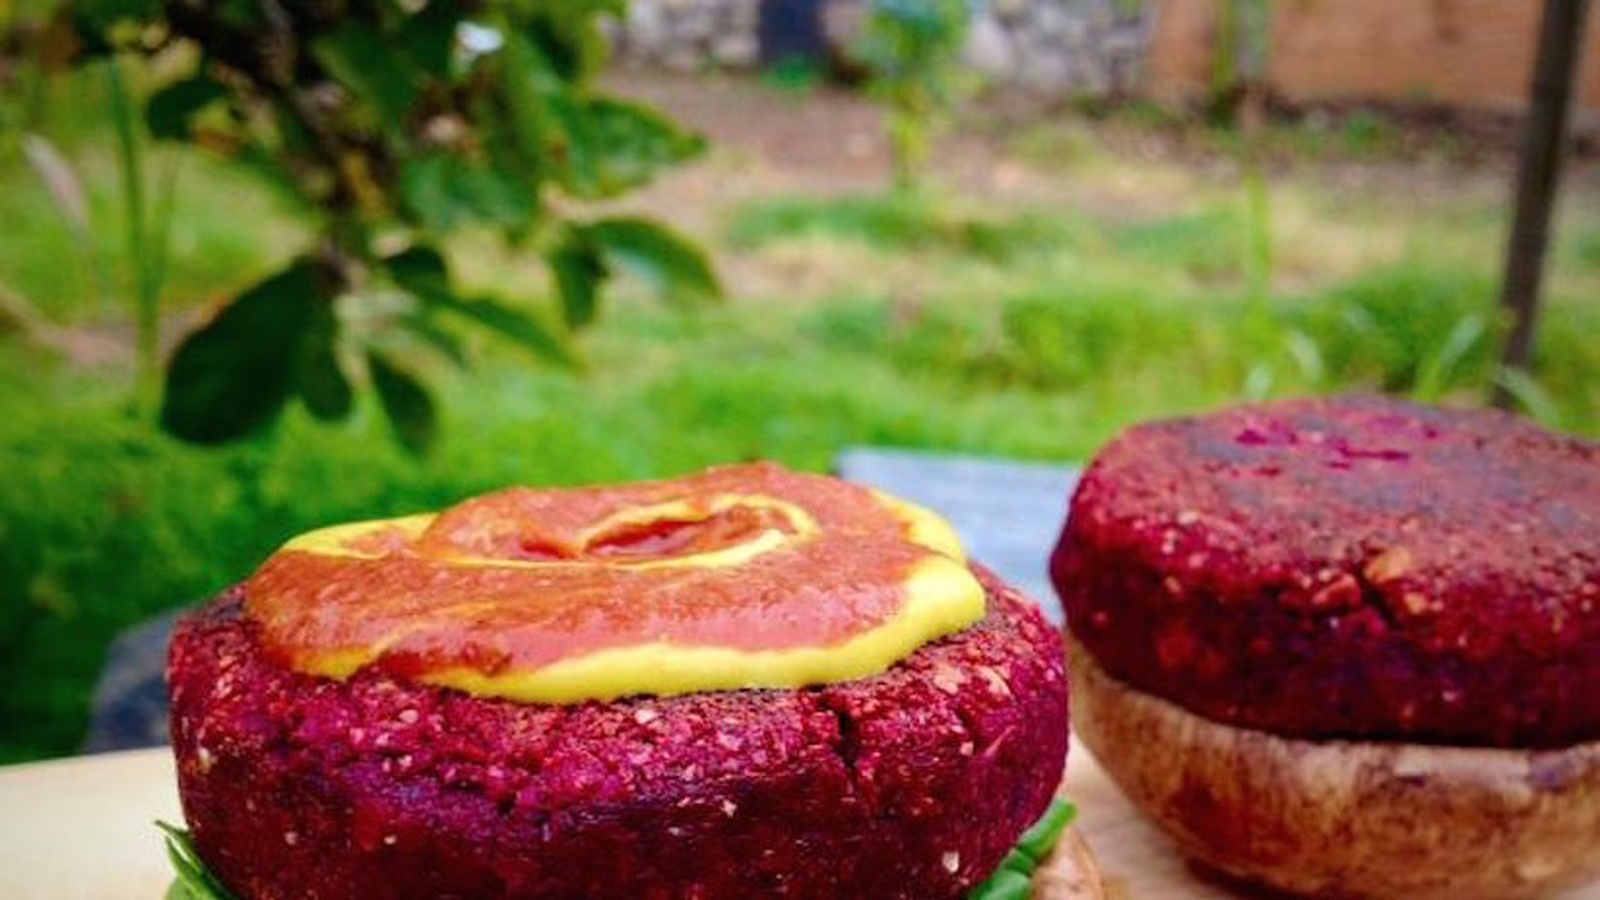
1531,396
1442,365
130,165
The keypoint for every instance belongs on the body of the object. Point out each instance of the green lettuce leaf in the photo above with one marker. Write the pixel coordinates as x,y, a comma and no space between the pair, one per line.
1014,879
194,881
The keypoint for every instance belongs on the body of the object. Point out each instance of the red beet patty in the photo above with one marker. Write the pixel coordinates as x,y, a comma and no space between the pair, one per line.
911,784
1354,567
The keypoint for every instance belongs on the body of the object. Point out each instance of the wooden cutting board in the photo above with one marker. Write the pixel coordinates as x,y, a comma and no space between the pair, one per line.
81,829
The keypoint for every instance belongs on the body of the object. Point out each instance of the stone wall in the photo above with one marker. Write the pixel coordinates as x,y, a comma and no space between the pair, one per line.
1061,47
1052,47
1473,54
689,35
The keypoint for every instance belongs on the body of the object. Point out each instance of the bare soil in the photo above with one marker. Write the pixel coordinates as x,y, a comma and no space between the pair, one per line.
827,140
1008,155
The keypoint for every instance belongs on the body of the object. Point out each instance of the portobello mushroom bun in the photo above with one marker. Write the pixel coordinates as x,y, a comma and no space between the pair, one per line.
1347,647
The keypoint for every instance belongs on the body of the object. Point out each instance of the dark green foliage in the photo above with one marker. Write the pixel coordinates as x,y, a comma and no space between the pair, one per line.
236,372
397,124
579,269
420,271
947,341
1403,329
405,401
320,379
442,192
169,112
614,145
672,266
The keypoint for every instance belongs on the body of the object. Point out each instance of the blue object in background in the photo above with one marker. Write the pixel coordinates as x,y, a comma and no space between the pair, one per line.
790,30
1007,513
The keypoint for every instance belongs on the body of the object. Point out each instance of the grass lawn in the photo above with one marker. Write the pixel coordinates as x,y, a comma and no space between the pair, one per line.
1069,290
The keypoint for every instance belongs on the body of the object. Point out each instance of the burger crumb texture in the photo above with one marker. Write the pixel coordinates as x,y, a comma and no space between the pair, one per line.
1355,568
908,784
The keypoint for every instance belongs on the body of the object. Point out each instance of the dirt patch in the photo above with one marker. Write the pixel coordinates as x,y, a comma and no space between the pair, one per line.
827,135
1006,157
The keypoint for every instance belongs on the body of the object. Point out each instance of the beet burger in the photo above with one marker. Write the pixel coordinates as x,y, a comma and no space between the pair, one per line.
1347,647
748,682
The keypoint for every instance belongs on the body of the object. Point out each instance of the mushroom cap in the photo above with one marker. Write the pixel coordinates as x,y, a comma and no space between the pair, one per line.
1346,819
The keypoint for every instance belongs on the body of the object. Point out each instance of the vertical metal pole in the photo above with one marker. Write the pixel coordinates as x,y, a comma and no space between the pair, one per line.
1560,38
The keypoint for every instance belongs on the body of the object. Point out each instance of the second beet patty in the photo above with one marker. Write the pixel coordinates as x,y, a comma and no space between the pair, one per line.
1354,567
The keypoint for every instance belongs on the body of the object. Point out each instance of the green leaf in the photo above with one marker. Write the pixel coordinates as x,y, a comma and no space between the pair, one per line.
428,193
443,191
594,146
241,15
578,270
429,37
518,111
370,66
519,327
1013,879
233,375
570,149
637,141
422,326
194,880
101,25
169,110
1017,861
607,146
419,270
671,264
1039,840
405,402
1004,884
318,376
567,34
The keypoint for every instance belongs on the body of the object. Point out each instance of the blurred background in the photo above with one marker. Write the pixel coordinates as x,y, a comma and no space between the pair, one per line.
269,265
